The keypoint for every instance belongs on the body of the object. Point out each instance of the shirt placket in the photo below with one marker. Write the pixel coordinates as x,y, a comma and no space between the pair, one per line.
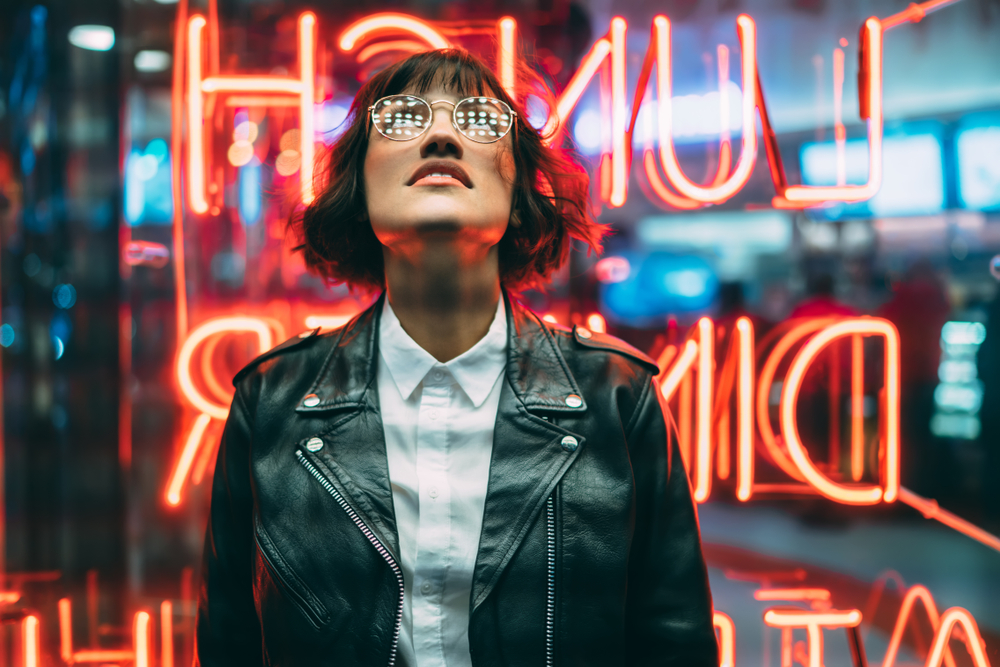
434,524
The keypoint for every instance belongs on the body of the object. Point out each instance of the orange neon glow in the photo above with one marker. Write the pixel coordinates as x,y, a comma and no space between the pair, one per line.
619,151
725,141
973,640
839,131
727,639
176,145
680,368
379,24
914,594
140,638
850,495
764,383
659,188
871,75
744,408
195,106
596,322
405,45
706,373
684,421
302,87
30,641
507,27
574,89
813,622
166,634
9,597
930,509
66,630
197,337
748,154
183,466
791,594
857,407
915,12
307,130
327,321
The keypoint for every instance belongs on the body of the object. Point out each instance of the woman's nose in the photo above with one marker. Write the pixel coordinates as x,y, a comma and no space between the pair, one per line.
441,137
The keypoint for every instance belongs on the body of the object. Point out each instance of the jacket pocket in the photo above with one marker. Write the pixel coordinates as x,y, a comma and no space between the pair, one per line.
290,583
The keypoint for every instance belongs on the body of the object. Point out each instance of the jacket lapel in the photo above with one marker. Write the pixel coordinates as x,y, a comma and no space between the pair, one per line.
353,456
528,458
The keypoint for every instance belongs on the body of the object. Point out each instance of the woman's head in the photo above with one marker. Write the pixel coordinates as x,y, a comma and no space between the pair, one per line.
517,194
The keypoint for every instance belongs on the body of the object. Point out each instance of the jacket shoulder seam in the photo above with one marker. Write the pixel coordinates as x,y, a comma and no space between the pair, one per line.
277,350
608,343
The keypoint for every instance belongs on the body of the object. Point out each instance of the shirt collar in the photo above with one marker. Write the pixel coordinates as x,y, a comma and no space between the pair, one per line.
476,370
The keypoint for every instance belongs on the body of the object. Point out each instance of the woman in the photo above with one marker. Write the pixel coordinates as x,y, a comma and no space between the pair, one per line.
447,479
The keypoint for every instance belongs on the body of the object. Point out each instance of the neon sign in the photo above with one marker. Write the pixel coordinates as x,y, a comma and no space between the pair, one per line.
615,166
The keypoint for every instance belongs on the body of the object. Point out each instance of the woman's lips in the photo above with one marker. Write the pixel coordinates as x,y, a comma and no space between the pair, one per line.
439,180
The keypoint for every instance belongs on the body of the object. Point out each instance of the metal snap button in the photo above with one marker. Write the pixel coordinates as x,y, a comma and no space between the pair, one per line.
569,443
583,333
314,444
310,401
574,401
426,588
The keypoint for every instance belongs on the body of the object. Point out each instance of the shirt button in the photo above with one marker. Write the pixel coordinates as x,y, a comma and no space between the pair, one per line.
437,375
426,588
433,493
432,414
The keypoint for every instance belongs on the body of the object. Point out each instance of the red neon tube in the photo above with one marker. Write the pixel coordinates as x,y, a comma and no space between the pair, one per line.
872,64
850,495
379,24
748,154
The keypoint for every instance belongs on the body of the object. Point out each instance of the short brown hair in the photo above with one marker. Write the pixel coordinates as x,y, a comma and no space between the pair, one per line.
550,191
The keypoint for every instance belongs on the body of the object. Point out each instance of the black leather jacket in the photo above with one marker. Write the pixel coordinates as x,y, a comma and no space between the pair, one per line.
589,553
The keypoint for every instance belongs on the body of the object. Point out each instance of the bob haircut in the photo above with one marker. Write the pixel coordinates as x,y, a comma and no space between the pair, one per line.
550,194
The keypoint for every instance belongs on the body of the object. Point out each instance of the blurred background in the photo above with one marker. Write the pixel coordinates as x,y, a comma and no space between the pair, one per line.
125,310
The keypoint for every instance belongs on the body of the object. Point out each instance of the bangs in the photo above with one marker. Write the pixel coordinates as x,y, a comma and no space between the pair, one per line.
453,69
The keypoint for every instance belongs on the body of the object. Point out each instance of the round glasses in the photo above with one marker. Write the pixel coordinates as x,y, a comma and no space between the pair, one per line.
405,117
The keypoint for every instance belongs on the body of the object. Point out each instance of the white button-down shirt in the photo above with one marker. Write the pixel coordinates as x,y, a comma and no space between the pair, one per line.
438,420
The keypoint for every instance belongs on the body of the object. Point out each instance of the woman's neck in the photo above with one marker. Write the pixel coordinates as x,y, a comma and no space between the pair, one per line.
445,305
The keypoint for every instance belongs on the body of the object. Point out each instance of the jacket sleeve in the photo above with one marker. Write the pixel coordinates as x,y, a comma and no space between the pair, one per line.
228,631
668,605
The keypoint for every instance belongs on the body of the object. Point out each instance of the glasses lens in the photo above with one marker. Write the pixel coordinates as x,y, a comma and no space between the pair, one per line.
401,117
483,119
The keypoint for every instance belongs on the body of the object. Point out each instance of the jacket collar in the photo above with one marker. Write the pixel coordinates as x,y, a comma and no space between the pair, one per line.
536,369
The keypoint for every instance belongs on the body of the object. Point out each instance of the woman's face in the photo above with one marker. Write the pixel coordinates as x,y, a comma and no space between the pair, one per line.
440,186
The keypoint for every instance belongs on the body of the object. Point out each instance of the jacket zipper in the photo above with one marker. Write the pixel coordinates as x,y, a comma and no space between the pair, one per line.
550,601
314,471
